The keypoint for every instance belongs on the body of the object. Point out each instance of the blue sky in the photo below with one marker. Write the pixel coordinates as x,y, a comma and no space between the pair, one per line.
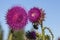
51,7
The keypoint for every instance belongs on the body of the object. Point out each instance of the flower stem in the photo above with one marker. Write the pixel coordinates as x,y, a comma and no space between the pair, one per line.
42,28
10,35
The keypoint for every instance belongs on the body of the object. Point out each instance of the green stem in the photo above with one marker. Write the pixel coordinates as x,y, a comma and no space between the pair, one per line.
43,33
10,36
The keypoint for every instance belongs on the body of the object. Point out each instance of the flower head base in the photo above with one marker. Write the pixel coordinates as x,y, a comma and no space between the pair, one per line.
35,26
16,18
42,16
34,14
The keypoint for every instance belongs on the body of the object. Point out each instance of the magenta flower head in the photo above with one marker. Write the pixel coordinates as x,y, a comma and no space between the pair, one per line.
16,18
34,14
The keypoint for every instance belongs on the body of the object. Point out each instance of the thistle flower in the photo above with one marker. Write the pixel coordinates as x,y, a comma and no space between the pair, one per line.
31,35
16,18
34,14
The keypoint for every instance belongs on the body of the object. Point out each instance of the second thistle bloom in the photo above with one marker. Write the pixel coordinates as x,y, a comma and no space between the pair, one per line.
34,14
16,18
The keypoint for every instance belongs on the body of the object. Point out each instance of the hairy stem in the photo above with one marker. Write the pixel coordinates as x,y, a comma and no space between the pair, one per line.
10,36
43,33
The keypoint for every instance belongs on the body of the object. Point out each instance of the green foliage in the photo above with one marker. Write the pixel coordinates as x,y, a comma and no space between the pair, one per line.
0,36
47,37
1,33
19,35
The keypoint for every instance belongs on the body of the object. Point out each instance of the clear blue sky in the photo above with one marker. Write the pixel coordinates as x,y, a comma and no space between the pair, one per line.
51,7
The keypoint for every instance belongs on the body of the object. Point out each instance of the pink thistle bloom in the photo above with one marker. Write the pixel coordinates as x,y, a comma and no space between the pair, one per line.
34,14
16,18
